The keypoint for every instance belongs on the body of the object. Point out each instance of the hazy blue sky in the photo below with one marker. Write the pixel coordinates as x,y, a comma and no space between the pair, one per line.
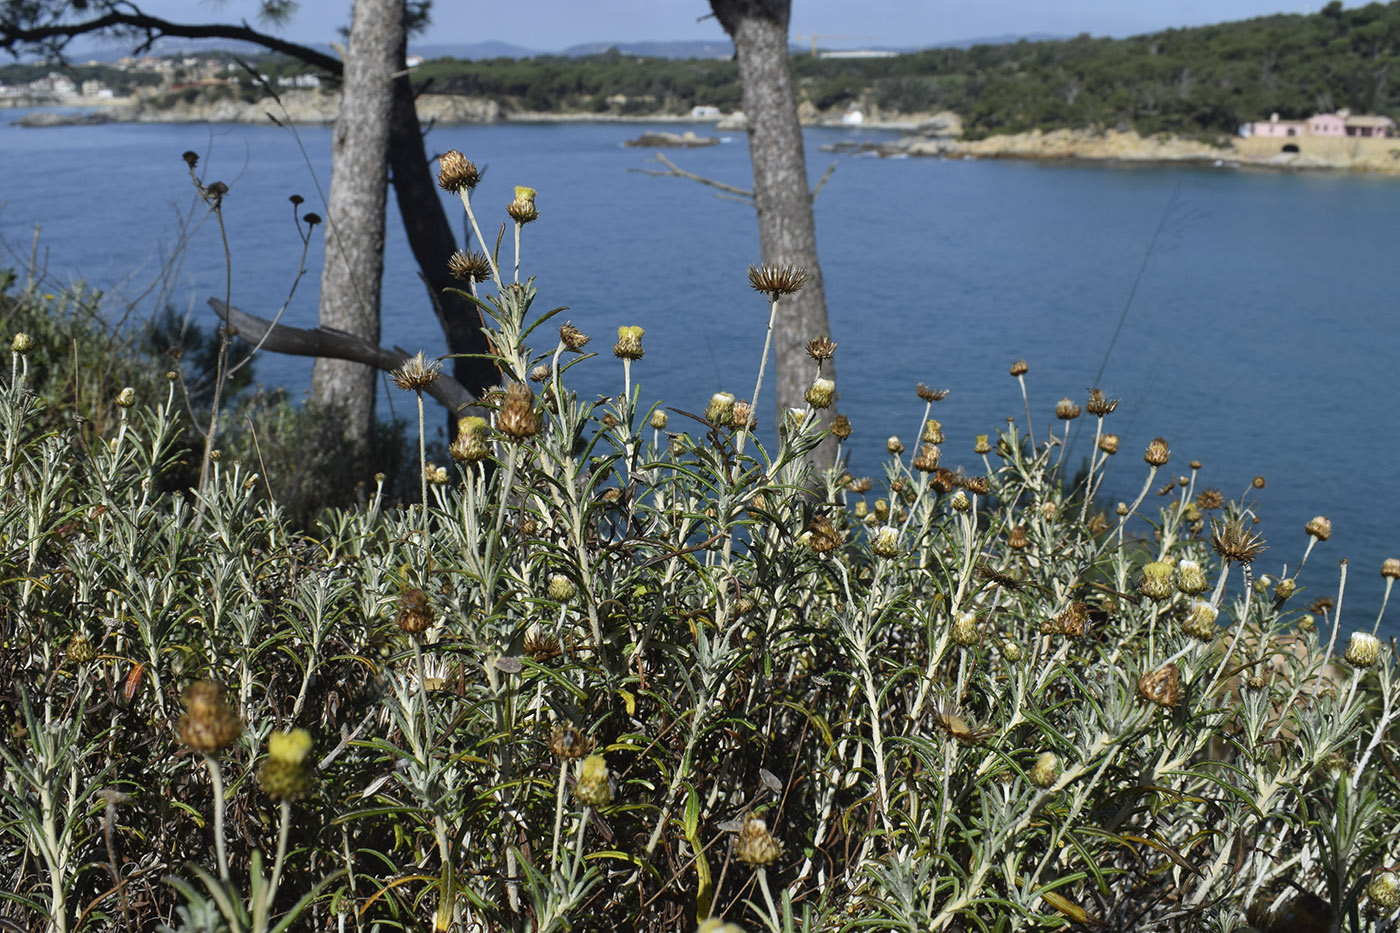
555,24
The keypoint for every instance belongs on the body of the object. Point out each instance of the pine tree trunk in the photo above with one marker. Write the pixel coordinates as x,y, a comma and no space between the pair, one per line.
354,263
786,229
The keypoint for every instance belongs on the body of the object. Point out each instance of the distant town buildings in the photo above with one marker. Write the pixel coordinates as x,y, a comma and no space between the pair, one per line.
1333,125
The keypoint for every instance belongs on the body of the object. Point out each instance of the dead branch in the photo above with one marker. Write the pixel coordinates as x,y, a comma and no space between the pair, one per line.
728,192
335,344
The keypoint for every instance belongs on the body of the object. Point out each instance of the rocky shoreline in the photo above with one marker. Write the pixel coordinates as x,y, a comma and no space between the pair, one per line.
925,135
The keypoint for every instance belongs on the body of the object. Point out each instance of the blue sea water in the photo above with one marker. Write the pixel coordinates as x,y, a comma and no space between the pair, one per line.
1262,338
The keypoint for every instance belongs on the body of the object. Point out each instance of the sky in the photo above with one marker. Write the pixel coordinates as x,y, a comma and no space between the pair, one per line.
549,25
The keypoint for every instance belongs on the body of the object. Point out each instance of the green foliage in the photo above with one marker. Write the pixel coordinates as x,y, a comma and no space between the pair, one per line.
974,702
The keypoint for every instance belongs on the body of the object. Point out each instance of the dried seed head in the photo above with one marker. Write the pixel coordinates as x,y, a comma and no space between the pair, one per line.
885,541
22,343
859,484
1019,368
1156,581
561,589
470,444
776,280
982,445
1073,620
1258,482
80,650
965,631
1208,500
572,338
414,614
1018,537
1046,770
949,720
927,459
569,743
1157,452
1190,578
743,415
720,411
1390,568
755,845
959,501
209,724
469,267
1235,543
1285,588
522,209
1364,650
1066,410
1319,527
894,445
594,785
930,395
933,432
541,373
417,373
1108,443
978,485
629,343
1099,404
1200,621
822,536
821,348
191,157
820,393
540,646
518,417
286,774
841,427
1162,686
456,172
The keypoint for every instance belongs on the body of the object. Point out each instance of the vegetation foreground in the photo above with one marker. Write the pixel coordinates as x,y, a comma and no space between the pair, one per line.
631,670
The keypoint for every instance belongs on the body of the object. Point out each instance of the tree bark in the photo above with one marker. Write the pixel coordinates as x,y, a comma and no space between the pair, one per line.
786,228
354,263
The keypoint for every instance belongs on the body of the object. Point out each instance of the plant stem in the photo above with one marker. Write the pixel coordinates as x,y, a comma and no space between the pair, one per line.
762,365
217,779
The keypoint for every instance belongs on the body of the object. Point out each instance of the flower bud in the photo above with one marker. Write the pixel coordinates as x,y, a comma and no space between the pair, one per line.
518,418
1066,409
594,785
629,343
1046,770
1364,650
893,445
886,542
1162,686
572,338
1319,527
820,393
285,773
927,459
965,631
522,208
1390,568
841,427
414,614
658,420
22,343
1285,588
1019,368
1384,890
755,845
1011,651
561,589
721,409
209,724
470,444
933,432
1156,581
982,445
1190,578
959,502
1200,621
126,397
1157,453
1108,443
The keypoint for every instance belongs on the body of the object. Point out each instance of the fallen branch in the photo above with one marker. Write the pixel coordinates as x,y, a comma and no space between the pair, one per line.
335,344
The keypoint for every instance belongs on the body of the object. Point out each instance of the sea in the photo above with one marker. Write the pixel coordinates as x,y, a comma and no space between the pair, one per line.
1249,317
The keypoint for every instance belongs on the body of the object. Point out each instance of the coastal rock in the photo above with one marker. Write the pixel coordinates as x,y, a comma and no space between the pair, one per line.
663,140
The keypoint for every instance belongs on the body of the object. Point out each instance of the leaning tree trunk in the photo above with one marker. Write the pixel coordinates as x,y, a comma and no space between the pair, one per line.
354,264
786,229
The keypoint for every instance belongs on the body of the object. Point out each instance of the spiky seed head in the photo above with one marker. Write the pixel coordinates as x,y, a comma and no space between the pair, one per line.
80,650
927,459
821,348
569,743
414,614
743,415
1200,621
821,393
859,484
1285,588
286,774
1235,543
776,280
982,445
1384,890
755,845
1073,620
522,208
930,395
1390,568
417,373
658,420
1156,582
1020,368
1157,453
126,397
1018,537
965,631
1190,578
1099,404
894,445
720,411
519,419
1066,410
572,338
885,541
977,485
594,785
22,343
1208,500
629,343
1162,686
1108,443
1046,770
840,427
1364,650
469,266
541,372
457,173
1319,527
209,724
822,536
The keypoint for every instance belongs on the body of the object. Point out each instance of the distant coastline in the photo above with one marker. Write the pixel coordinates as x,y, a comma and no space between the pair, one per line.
925,135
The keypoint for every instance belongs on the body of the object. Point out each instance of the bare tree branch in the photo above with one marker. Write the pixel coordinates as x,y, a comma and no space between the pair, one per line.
324,342
675,171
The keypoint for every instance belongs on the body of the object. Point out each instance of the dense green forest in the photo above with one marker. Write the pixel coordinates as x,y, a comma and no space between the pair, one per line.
1202,80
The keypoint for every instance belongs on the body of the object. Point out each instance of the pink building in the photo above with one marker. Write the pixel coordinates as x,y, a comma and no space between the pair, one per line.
1334,125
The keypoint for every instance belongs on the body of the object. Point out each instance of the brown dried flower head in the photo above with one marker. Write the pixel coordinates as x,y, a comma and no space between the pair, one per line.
469,267
1018,537
859,484
1162,686
776,280
1066,410
572,338
414,614
518,417
927,459
1020,368
1258,482
821,348
1099,404
822,535
1319,527
1108,443
755,845
841,427
522,208
209,724
1208,500
1390,568
417,373
456,172
1073,620
1157,453
569,743
930,395
1236,543
894,445
979,485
